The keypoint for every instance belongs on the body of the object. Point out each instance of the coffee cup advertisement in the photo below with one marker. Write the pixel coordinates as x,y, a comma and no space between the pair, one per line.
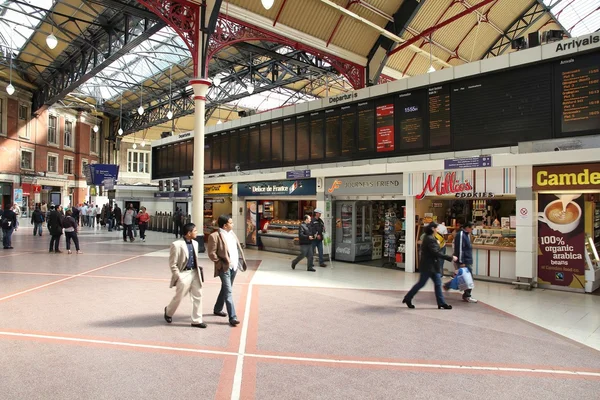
561,240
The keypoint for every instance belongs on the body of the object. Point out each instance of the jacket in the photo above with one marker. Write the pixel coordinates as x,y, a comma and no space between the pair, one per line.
318,227
69,222
430,254
219,254
304,232
178,258
462,248
55,223
37,217
9,219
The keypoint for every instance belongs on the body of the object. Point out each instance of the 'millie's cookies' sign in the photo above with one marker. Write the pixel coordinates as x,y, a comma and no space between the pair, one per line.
566,177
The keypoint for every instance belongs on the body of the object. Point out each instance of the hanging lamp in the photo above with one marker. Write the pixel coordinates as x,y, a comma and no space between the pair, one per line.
170,112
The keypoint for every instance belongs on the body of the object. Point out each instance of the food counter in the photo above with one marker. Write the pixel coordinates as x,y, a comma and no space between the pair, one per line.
281,236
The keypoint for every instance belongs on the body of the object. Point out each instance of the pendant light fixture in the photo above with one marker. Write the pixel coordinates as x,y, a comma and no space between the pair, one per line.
250,89
140,109
217,81
120,131
219,122
134,145
10,89
51,40
170,112
267,4
431,67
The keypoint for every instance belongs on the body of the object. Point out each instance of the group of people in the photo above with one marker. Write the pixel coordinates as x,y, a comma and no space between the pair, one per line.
187,275
431,264
310,236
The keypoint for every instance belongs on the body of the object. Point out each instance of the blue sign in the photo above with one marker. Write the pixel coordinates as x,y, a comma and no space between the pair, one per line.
305,173
469,162
100,172
18,196
300,187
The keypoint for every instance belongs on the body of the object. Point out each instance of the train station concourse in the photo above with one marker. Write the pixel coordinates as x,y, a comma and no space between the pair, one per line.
362,199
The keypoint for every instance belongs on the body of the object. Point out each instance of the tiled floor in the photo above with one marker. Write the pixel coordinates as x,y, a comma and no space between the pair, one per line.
91,326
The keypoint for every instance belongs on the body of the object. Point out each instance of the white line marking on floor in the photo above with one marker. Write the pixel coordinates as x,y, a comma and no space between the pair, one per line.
239,366
66,279
241,355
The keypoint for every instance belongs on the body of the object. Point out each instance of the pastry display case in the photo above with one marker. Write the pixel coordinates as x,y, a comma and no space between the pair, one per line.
281,236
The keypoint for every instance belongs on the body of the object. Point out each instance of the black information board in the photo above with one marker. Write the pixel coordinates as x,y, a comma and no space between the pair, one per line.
439,116
578,94
225,151
253,150
207,154
366,127
276,141
348,129
317,144
302,139
385,140
216,152
503,109
234,147
244,149
265,142
289,140
410,110
332,133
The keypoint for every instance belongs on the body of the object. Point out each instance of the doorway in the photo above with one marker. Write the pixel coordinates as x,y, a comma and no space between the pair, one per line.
183,206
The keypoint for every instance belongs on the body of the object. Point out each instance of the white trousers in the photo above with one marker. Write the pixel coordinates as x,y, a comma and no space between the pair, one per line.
189,282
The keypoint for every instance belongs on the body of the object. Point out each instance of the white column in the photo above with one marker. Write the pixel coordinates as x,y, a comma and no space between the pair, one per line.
200,87
526,257
409,256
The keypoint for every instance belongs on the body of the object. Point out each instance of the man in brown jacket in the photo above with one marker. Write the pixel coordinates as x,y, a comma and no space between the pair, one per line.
225,251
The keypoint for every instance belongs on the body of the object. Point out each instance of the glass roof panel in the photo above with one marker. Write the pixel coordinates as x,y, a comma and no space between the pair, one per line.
578,17
21,17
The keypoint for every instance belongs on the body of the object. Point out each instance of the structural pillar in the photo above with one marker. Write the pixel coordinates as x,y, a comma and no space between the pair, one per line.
200,87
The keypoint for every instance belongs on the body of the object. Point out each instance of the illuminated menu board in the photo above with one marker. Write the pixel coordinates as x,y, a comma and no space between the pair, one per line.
254,148
276,140
385,126
439,116
332,130
302,139
366,127
265,142
289,140
410,109
348,129
317,150
579,94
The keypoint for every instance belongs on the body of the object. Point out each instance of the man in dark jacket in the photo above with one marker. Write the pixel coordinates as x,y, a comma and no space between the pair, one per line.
318,228
305,235
117,214
37,219
55,226
464,253
9,224
429,267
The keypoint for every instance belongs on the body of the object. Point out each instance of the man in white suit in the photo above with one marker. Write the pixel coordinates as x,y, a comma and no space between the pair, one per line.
187,275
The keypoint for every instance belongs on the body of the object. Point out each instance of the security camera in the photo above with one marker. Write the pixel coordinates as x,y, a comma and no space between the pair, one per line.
237,167
557,149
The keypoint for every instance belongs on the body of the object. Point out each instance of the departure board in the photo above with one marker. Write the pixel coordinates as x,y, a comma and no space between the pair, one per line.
332,130
348,129
439,116
410,109
224,151
207,155
265,142
289,140
254,148
366,127
317,145
243,149
216,152
302,139
385,140
502,109
578,90
276,140
234,146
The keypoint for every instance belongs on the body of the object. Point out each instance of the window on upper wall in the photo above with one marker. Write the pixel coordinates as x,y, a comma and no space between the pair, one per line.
94,141
53,163
2,132
68,166
27,159
68,142
84,163
23,112
138,161
52,123
23,121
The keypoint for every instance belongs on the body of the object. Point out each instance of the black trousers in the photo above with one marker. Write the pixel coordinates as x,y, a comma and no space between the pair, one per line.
143,226
72,236
127,231
54,242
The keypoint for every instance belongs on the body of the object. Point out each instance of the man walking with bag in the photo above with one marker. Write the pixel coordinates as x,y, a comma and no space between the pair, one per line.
225,251
305,236
318,228
464,252
186,275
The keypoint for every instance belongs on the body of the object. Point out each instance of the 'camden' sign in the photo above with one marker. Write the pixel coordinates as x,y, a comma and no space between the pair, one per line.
449,185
